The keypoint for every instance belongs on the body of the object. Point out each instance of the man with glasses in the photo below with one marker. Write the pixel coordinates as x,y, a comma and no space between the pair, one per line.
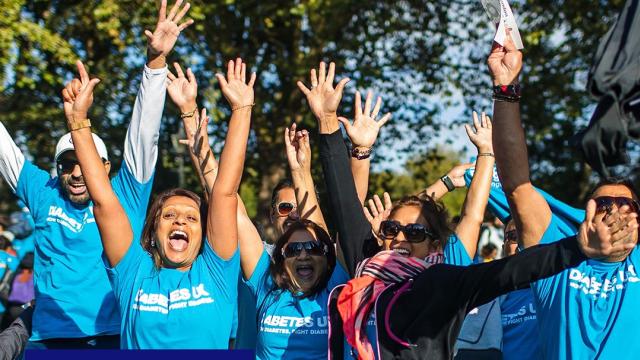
76,306
589,311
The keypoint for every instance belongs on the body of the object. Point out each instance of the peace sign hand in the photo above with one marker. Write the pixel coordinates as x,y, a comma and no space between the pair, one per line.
164,37
364,130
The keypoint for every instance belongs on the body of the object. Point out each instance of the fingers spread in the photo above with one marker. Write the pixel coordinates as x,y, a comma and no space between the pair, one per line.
314,78
376,108
322,73
331,74
387,201
178,70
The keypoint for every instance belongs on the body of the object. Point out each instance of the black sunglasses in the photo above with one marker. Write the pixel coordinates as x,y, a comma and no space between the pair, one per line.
605,203
66,165
414,233
285,208
294,249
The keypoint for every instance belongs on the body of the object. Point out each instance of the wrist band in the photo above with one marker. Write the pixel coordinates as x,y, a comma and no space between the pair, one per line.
508,93
361,152
242,107
486,154
188,114
78,124
448,183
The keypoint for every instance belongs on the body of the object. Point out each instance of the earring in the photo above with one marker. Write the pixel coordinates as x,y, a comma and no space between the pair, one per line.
153,243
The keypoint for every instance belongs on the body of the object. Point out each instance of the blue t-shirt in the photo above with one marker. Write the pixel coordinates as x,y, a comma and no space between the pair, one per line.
519,326
72,289
590,311
24,246
247,329
291,328
7,262
173,309
454,254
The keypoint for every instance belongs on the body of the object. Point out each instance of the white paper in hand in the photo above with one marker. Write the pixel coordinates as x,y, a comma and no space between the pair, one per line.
500,13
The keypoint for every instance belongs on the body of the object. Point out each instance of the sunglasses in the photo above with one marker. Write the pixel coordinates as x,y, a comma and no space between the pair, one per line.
314,248
285,208
65,165
414,233
606,203
511,235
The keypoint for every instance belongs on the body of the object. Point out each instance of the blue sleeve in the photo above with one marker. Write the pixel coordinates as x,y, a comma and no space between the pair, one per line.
122,276
13,263
260,282
224,273
134,197
339,277
31,182
554,231
455,253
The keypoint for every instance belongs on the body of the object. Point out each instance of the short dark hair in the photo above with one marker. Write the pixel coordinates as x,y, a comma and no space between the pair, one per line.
279,273
282,184
616,181
155,210
433,211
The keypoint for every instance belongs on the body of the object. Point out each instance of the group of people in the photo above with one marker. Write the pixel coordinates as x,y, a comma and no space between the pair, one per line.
395,279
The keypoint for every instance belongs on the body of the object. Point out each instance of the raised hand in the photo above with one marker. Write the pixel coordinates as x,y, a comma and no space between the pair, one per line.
456,174
298,149
78,95
378,212
163,38
238,93
195,127
182,90
505,62
365,128
481,137
323,98
608,234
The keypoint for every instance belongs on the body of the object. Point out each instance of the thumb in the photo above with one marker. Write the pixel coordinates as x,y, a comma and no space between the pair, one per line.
345,122
148,34
92,84
591,212
341,84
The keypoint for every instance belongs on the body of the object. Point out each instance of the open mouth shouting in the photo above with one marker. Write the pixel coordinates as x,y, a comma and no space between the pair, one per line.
178,240
77,188
304,271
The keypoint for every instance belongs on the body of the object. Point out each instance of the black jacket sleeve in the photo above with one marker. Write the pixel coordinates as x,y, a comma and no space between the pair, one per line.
482,283
13,339
353,227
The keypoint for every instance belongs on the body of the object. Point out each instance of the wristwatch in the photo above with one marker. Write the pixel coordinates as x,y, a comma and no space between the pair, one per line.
448,183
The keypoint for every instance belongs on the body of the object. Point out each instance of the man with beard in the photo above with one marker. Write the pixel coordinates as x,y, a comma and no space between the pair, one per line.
76,306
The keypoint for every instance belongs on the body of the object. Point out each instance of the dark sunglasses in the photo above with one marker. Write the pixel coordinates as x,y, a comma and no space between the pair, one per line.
511,235
414,233
285,208
605,203
294,249
66,165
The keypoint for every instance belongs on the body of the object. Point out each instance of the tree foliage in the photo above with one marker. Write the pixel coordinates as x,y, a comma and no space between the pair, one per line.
416,53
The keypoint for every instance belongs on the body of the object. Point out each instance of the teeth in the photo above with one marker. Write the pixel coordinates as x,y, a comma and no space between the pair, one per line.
179,233
402,251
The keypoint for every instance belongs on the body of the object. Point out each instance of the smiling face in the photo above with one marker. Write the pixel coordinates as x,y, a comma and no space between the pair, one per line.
410,214
617,190
71,179
178,235
305,269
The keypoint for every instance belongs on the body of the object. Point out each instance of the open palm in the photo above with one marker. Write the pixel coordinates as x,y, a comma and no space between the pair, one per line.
167,30
182,90
365,128
323,98
235,89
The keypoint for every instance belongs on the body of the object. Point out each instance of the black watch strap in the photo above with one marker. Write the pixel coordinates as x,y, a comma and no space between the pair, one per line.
448,183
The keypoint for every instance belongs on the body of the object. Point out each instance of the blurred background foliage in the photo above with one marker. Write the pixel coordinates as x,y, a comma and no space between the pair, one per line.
423,57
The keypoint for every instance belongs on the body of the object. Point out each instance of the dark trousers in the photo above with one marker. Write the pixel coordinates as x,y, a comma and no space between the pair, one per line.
488,354
92,342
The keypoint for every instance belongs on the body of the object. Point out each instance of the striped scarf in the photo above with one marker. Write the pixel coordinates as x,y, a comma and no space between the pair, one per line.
358,297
